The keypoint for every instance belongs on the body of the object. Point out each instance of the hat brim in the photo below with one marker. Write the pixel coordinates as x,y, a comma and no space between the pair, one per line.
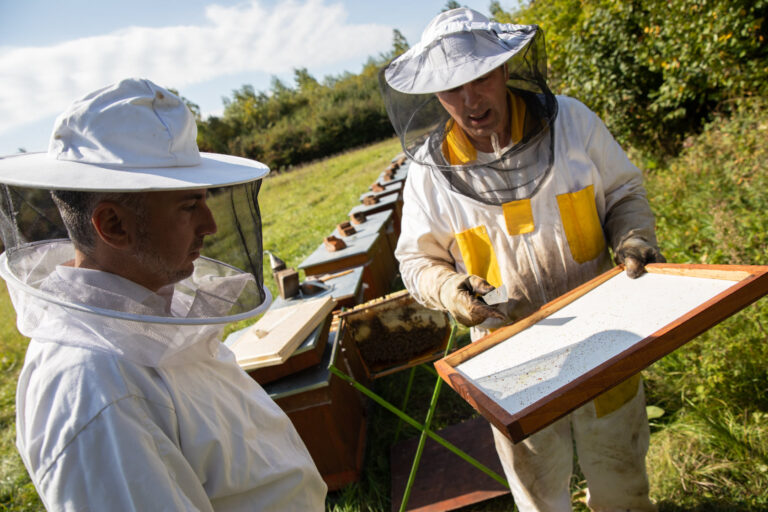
39,170
455,59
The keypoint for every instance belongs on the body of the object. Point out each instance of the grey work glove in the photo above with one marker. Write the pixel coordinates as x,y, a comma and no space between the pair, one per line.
460,296
635,253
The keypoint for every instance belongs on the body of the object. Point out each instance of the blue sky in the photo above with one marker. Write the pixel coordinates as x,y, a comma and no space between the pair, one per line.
54,51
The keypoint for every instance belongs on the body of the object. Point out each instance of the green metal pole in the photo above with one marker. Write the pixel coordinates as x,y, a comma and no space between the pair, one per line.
405,401
415,424
425,430
420,448
427,425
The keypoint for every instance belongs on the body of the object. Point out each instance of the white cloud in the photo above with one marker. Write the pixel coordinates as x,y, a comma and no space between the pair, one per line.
40,81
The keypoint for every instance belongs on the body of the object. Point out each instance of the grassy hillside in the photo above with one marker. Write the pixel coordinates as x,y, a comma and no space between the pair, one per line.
710,450
709,447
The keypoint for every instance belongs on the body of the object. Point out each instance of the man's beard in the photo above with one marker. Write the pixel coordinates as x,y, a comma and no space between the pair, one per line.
148,257
159,268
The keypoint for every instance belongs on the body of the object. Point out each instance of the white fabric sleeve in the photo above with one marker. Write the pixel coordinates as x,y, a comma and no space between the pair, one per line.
628,213
121,461
423,248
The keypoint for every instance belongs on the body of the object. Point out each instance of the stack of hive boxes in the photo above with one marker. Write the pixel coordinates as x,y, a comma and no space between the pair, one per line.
355,263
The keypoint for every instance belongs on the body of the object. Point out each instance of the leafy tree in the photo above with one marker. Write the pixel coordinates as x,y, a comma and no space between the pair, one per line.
193,107
399,43
304,81
655,70
290,125
499,14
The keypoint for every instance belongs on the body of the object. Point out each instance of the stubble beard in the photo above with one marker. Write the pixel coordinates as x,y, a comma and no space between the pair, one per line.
149,258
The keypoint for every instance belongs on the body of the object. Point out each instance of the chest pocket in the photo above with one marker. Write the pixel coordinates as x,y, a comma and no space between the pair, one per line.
478,254
582,224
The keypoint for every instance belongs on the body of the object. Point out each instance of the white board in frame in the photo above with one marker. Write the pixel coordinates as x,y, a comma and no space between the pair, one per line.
529,374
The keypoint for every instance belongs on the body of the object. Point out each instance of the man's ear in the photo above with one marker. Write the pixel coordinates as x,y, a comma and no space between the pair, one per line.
115,224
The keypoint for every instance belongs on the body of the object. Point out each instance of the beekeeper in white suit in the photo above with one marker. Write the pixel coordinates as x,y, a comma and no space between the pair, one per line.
127,399
511,185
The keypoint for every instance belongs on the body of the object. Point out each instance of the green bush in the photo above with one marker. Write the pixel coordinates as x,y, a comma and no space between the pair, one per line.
710,206
654,70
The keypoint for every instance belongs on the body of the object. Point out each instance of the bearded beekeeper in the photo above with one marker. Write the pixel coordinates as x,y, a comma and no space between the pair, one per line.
511,185
127,399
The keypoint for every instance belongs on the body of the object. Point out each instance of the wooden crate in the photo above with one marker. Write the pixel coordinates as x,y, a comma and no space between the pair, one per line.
525,376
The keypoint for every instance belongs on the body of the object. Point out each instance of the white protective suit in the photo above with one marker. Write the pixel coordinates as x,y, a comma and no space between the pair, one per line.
540,248
110,418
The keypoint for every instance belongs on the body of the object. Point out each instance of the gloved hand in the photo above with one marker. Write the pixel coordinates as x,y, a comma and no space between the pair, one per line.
459,295
635,253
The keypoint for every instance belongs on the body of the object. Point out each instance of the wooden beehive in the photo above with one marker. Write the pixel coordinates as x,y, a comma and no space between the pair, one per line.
392,333
328,414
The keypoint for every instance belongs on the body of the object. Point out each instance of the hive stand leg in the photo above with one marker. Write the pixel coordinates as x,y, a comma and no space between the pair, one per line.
422,440
405,401
425,431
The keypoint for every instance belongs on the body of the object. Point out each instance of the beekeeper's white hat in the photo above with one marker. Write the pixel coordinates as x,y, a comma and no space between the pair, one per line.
456,47
130,136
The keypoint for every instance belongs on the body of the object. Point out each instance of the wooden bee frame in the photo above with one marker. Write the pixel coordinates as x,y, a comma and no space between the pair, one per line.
527,375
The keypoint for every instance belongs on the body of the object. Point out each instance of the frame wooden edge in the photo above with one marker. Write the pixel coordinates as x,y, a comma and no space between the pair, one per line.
750,281
489,409
358,369
375,302
642,354
726,272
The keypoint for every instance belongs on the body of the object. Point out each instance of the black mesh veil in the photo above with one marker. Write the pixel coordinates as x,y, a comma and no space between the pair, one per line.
30,221
421,122
246,217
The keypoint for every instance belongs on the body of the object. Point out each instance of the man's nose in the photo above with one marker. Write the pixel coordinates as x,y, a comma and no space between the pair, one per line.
207,222
469,95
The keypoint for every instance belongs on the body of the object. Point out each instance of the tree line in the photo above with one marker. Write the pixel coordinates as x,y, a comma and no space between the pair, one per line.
654,70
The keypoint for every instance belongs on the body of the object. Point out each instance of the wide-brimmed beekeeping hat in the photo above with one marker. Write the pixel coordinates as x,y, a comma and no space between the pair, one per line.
130,136
456,47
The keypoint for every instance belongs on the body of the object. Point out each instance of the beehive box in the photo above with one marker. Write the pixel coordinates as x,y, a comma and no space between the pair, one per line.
392,333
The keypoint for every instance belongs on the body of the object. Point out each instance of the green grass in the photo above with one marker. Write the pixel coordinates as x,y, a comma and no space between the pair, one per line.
709,449
16,489
300,207
708,452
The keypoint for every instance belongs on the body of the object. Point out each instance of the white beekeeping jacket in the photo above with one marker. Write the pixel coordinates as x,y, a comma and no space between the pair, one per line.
119,414
539,246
